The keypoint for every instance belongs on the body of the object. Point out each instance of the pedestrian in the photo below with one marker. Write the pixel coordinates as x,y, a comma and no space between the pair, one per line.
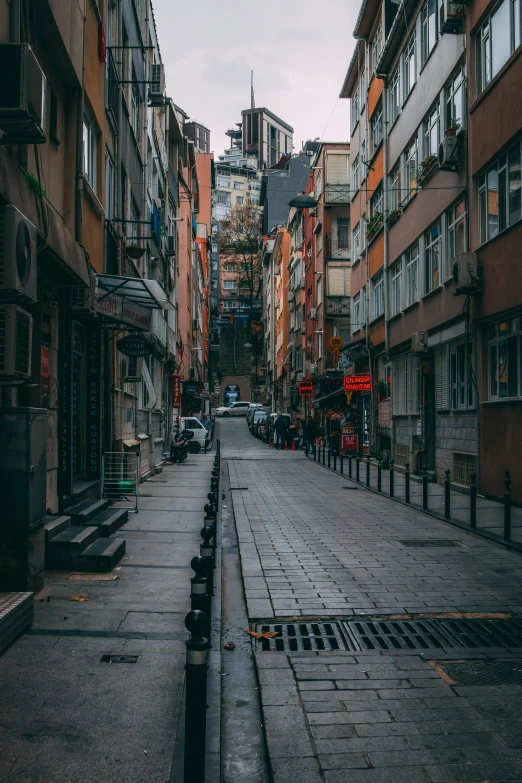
280,427
205,420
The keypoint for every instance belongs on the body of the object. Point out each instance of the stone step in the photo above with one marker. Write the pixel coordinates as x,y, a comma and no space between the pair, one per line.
102,555
110,520
65,548
16,616
55,525
83,512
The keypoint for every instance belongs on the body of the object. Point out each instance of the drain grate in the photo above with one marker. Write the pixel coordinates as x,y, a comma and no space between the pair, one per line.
434,634
118,659
292,637
430,542
349,487
483,672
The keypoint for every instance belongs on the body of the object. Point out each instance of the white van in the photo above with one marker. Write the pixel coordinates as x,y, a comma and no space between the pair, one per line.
201,434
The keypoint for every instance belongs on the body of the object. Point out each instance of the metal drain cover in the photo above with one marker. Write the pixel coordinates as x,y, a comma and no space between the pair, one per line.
434,634
430,542
483,672
118,659
292,637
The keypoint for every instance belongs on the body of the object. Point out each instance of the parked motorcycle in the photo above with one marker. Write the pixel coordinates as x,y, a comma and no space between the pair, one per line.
179,447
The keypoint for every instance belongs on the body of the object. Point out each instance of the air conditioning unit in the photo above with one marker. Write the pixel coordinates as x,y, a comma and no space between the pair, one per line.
83,299
17,255
313,369
303,329
22,95
170,245
465,274
16,328
419,342
451,17
313,313
157,85
450,153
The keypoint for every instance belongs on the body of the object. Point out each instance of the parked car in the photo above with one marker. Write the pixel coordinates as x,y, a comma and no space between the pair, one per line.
260,427
251,410
201,434
257,415
233,409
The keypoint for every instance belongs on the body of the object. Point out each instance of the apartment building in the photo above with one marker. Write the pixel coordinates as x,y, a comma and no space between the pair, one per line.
265,137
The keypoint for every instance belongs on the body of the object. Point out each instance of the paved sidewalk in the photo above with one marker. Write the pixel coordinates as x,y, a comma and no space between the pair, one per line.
66,716
315,546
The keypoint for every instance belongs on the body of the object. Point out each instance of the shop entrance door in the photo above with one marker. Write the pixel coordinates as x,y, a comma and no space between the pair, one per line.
78,398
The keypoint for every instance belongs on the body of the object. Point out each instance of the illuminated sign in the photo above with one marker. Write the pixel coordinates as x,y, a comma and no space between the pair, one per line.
350,443
336,343
357,383
305,388
176,391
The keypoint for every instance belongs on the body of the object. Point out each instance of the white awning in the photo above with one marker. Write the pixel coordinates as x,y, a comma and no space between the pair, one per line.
147,293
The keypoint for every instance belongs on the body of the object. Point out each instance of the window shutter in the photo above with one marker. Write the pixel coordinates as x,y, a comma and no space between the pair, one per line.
444,360
438,378
337,169
338,284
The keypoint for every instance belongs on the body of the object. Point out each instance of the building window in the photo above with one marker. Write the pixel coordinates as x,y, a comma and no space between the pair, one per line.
462,394
240,200
378,296
376,203
456,222
229,285
223,197
411,165
412,275
229,267
408,63
237,185
363,160
376,126
135,109
431,132
356,312
394,192
500,194
198,137
224,182
396,288
432,253
428,29
505,359
377,47
496,41
455,106
355,175
109,186
405,386
90,151
354,110
357,241
319,289
394,94
343,233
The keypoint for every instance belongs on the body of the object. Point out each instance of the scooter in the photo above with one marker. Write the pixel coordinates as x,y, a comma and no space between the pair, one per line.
179,448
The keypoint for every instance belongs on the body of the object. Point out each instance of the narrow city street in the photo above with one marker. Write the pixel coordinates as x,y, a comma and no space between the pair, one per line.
400,644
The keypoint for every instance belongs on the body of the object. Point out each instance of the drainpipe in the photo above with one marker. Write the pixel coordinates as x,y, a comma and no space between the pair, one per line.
386,254
80,107
117,151
15,22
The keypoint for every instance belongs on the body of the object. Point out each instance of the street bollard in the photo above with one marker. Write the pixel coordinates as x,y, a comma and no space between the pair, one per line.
335,460
196,667
210,512
206,550
324,454
392,480
368,472
329,457
379,476
357,468
407,481
507,507
473,501
447,494
341,464
350,466
424,490
314,451
199,588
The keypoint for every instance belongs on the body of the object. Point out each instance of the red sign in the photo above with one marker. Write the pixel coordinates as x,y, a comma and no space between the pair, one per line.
347,429
335,415
350,443
357,383
45,381
176,391
305,388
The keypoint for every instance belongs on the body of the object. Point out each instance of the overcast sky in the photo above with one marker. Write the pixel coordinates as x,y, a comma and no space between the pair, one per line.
299,51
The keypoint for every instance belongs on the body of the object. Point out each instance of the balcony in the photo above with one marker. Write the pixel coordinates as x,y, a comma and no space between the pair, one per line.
337,307
172,349
159,328
337,195
173,187
113,90
338,250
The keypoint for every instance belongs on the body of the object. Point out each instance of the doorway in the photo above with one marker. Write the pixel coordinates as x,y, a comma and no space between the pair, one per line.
78,398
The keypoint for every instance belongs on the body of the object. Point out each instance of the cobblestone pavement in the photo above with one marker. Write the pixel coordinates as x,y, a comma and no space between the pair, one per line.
312,548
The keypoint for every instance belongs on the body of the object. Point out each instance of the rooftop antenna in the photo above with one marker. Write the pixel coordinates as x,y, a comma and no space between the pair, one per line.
252,107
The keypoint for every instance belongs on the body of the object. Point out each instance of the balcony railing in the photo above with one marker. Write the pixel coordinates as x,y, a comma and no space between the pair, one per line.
159,328
337,194
173,187
337,306
113,89
337,249
155,222
172,350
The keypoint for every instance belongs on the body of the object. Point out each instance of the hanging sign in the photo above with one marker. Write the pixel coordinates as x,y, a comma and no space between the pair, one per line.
348,397
124,311
134,345
176,391
357,383
336,343
335,415
350,443
305,388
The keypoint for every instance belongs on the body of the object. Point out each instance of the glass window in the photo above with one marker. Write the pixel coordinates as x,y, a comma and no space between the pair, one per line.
455,105
356,312
408,60
319,290
431,133
412,275
396,288
462,394
355,175
500,37
496,41
90,151
500,194
343,233
357,241
109,186
240,200
376,203
394,192
433,240
135,109
229,285
456,233
411,165
428,28
354,110
514,184
377,47
376,123
378,296
394,94
505,355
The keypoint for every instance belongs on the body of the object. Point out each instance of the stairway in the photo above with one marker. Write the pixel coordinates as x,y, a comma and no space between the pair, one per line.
82,538
234,359
216,395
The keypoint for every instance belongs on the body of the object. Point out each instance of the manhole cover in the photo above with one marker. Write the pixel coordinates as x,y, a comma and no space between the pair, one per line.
430,542
483,672
349,487
118,659
301,636
434,634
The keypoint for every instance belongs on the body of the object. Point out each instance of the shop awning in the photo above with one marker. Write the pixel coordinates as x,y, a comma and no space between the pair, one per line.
147,293
322,402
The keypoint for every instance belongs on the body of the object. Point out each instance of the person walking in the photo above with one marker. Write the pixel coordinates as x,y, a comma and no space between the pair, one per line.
310,434
280,427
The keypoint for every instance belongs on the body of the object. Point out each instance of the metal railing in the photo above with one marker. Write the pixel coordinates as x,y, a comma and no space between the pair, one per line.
337,306
120,476
173,187
338,249
113,89
337,194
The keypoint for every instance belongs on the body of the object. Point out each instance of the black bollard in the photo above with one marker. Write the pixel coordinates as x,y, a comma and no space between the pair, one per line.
196,667
199,588
473,501
206,550
392,480
329,456
424,490
210,512
341,464
379,476
350,466
324,455
367,471
357,468
507,507
314,451
447,494
407,480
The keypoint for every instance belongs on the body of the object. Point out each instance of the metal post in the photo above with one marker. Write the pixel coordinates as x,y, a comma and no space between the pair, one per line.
407,479
357,468
507,507
329,455
324,454
199,598
335,460
368,472
350,466
341,465
314,451
196,667
392,480
473,501
424,490
447,494
206,550
379,476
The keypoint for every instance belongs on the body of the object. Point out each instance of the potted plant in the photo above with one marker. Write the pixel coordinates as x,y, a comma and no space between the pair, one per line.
453,128
393,216
134,250
426,167
382,389
373,224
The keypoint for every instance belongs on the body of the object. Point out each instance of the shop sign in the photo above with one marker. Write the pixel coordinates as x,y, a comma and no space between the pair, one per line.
327,385
350,443
190,388
134,345
336,343
335,415
347,429
122,310
357,383
45,381
306,388
176,391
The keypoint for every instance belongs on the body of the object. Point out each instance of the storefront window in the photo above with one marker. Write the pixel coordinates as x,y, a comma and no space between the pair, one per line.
505,358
